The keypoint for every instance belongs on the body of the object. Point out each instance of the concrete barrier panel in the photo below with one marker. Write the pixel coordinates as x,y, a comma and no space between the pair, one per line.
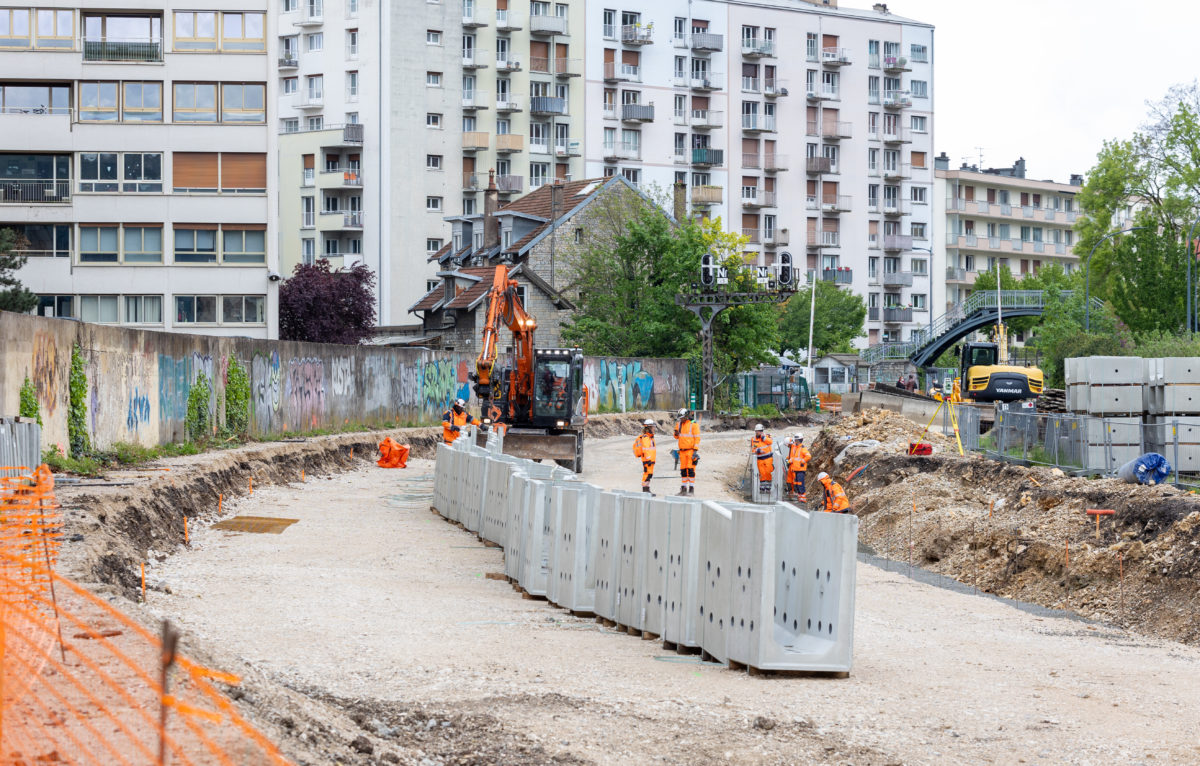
1181,399
683,573
535,551
1114,370
608,541
746,572
716,528
494,516
1180,369
518,504
1115,400
654,581
632,566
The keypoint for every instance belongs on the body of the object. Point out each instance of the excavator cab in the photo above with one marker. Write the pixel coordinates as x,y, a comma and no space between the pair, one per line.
985,379
558,385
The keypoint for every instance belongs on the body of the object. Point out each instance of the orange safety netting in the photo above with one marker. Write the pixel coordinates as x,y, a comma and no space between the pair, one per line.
392,454
80,681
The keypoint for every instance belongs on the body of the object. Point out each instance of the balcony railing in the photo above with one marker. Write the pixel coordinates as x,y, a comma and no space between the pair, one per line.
636,34
352,133
508,184
753,236
895,64
753,47
897,314
773,237
773,163
897,279
831,239
706,80
955,274
753,196
24,191
539,64
893,206
288,61
897,99
835,56
134,49
567,67
839,276
507,21
622,150
473,18
705,119
836,130
309,100
637,112
705,42
470,182
539,145
507,64
507,103
708,157
547,105
547,25
811,202
896,135
835,203
751,160
510,142
475,141
897,172
707,195
570,147
758,123
473,99
750,84
873,314
818,165
474,59
774,87
349,177
352,220
622,72
897,242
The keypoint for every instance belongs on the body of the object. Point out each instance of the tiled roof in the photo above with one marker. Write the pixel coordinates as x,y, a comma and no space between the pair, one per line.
443,251
477,290
430,300
537,203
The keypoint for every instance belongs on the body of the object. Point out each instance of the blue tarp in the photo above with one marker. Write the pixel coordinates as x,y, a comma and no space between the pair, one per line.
1151,468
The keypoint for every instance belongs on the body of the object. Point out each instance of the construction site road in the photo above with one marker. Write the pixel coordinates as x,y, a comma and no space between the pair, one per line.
372,600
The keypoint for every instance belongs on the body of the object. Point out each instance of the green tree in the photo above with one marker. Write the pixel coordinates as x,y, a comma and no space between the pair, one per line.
839,316
1147,271
77,388
13,296
744,337
1061,334
237,399
28,401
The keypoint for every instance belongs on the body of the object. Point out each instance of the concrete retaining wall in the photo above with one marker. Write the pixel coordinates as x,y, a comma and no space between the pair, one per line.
139,381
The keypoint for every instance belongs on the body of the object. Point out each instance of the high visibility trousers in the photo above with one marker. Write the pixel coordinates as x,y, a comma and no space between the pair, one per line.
797,481
766,467
647,472
687,467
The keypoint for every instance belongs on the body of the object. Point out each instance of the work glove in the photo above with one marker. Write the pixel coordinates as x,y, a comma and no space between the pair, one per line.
696,457
455,429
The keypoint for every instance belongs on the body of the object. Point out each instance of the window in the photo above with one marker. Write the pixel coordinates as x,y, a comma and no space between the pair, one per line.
351,43
55,29
243,32
610,24
243,102
308,209
539,174
98,308
433,79
315,87
98,244
918,53
195,102
290,85
143,172
433,37
244,245
918,231
810,47
433,120
917,194
195,31
468,205
290,125
290,5
918,123
314,123
314,42
14,28
680,31
195,309
98,172
243,309
314,8
433,204
308,250
917,159
919,88
196,245
143,309
918,301
143,244
351,118
97,100
920,266
506,239
432,245
352,8
352,86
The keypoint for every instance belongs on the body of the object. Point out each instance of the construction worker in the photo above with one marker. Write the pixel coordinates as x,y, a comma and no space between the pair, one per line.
643,447
835,497
454,419
797,466
687,436
764,454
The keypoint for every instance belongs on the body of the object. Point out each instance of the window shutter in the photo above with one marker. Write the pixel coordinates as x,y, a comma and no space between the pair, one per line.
309,161
631,58
238,226
243,171
194,170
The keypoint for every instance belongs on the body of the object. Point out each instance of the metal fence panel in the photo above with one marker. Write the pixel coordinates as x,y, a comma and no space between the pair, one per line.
20,447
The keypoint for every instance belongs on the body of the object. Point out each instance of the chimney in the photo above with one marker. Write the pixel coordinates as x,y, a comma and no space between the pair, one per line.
680,200
491,203
1076,179
941,162
880,7
1019,168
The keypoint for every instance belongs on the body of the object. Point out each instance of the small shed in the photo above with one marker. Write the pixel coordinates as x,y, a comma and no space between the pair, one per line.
837,373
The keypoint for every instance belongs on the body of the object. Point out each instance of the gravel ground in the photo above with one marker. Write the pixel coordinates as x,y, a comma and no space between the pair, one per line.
371,604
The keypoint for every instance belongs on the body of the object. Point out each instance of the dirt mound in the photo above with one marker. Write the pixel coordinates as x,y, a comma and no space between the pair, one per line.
1009,530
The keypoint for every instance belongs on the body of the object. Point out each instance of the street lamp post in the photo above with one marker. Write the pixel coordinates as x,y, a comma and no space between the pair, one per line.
1087,267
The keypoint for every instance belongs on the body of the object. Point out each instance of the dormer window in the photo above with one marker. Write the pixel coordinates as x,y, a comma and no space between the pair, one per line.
506,238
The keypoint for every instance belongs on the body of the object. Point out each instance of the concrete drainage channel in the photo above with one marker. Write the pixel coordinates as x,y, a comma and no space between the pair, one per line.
758,587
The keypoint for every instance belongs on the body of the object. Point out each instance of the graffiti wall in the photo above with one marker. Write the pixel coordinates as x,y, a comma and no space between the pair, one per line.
139,381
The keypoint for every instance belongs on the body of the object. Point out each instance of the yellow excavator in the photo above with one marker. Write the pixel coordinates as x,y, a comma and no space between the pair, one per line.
982,377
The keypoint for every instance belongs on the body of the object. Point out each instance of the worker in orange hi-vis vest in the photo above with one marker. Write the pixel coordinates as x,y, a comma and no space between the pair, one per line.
835,497
764,454
687,435
643,447
454,419
797,466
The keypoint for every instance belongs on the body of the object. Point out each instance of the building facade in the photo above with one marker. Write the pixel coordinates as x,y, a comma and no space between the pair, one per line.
137,163
998,214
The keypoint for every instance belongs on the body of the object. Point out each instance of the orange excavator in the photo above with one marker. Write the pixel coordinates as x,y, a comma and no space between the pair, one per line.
538,394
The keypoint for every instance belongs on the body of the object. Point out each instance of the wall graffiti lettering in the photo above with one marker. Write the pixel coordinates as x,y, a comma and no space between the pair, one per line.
139,410
266,381
442,385
342,375
45,371
306,391
174,384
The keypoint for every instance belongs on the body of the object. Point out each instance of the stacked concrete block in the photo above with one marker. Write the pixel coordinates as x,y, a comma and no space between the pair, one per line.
1114,441
1115,385
766,586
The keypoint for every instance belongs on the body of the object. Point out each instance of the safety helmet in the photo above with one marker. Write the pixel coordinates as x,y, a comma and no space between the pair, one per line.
822,476
460,402
758,427
787,440
682,412
648,422
798,437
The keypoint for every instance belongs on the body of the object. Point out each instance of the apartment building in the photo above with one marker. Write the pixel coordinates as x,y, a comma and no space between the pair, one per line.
392,114
1000,214
783,118
136,161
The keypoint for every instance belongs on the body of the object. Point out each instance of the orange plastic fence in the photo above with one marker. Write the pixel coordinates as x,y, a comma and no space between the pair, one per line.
80,681
830,402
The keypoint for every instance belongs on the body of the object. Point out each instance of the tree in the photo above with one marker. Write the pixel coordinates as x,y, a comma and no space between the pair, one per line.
1146,273
839,316
743,336
13,296
320,305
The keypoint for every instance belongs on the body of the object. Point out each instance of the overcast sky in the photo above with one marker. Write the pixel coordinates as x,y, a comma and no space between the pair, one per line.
1050,80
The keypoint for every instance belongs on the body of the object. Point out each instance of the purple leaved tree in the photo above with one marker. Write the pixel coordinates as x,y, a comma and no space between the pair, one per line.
321,305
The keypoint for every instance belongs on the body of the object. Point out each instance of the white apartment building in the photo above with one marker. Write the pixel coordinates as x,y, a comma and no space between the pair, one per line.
137,163
807,127
995,214
391,115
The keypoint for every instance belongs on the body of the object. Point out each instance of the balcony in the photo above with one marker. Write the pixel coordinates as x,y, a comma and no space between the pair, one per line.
897,172
547,105
473,18
571,147
707,119
897,242
539,65
751,160
839,276
818,165
637,113
707,195
897,315
773,88
617,151
474,59
507,21
706,157
309,101
835,131
341,178
26,191
288,61
146,49
636,34
775,237
475,141
753,47
539,145
960,276
897,99
753,236
830,93
754,197
508,64
352,219
510,184
313,18
811,202
507,104
471,182
614,72
565,67
835,203
873,314
706,81
895,64
473,99
506,143
896,207
542,25
835,56
706,42
756,123
773,163
897,279
750,84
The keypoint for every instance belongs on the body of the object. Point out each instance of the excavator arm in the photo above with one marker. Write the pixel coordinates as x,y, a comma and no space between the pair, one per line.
504,308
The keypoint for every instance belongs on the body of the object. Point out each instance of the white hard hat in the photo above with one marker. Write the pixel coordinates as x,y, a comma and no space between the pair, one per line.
799,437
460,402
758,427
822,475
648,422
682,411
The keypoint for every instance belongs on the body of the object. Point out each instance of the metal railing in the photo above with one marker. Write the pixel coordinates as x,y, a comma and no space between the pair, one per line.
774,87
897,314
622,150
835,56
840,276
352,220
706,41
775,162
135,49
540,24
897,279
707,156
707,195
637,112
836,130
835,203
818,165
510,183
707,118
349,176
636,34
22,191
763,123
753,46
897,242
706,80
897,99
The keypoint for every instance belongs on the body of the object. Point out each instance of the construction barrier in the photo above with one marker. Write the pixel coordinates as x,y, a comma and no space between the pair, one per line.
20,445
81,682
764,586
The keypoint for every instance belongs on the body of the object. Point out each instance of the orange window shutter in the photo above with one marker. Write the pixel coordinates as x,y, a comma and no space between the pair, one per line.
309,161
194,170
243,171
